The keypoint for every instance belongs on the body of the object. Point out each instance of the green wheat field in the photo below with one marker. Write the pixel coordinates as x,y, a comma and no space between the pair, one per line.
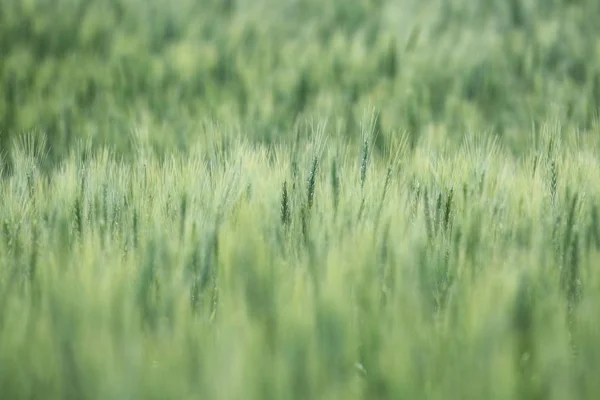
296,199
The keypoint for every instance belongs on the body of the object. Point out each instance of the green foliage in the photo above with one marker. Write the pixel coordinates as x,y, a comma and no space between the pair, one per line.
305,200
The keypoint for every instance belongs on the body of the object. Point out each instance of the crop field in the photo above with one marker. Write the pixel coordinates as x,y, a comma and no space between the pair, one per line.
295,199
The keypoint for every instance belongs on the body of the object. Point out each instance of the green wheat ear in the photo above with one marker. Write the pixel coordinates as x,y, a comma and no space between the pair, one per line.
183,207
448,210
285,205
335,186
594,229
427,213
553,182
438,213
310,196
364,162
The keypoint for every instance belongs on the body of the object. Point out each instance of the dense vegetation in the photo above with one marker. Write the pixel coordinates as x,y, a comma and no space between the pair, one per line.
232,199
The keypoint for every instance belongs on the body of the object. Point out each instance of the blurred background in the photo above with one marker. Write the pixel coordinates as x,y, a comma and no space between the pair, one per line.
99,70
